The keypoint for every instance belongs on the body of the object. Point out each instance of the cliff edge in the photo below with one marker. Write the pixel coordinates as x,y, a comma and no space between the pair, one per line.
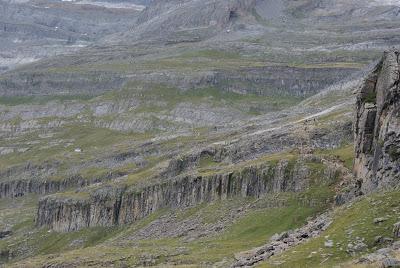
377,127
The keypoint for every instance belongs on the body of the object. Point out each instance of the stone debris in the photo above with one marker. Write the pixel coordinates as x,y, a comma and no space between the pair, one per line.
390,263
355,248
383,257
279,243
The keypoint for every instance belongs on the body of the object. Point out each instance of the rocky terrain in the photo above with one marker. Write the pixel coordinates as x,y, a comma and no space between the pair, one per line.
225,133
33,30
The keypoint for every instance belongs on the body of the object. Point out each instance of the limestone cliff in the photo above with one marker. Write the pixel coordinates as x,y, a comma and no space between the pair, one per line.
377,127
114,205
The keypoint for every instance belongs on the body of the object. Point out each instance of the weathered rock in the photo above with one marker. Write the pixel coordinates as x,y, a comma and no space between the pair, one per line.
371,258
281,242
396,230
390,263
121,205
377,127
385,251
279,237
379,220
378,239
329,244
17,188
396,245
356,248
115,205
4,234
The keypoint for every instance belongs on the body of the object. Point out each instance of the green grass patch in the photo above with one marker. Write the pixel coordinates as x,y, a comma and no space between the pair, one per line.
370,97
207,161
344,153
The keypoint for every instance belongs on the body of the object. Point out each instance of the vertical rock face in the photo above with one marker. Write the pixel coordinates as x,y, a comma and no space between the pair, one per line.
377,127
122,205
22,187
21,180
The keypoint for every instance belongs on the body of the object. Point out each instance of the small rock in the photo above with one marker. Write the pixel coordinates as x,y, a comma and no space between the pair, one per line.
358,247
396,245
378,239
387,240
289,240
371,258
279,237
379,220
329,244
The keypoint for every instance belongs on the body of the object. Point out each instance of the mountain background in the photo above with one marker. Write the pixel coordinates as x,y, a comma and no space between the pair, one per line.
187,133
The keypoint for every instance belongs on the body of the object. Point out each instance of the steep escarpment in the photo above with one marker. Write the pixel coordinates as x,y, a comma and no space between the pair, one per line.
16,188
377,127
110,206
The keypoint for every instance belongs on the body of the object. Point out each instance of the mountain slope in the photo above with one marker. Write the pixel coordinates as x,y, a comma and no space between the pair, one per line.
191,132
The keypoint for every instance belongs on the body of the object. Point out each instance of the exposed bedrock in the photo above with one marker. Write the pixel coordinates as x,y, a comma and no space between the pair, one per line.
195,19
22,187
283,80
16,188
268,80
114,206
42,179
287,81
62,83
377,127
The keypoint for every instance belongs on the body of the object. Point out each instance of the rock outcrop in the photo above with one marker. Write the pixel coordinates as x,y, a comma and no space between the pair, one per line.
22,187
377,127
113,205
37,179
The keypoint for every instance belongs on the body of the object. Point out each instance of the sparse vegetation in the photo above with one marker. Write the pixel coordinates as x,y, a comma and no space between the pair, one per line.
263,89
370,97
350,222
394,153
